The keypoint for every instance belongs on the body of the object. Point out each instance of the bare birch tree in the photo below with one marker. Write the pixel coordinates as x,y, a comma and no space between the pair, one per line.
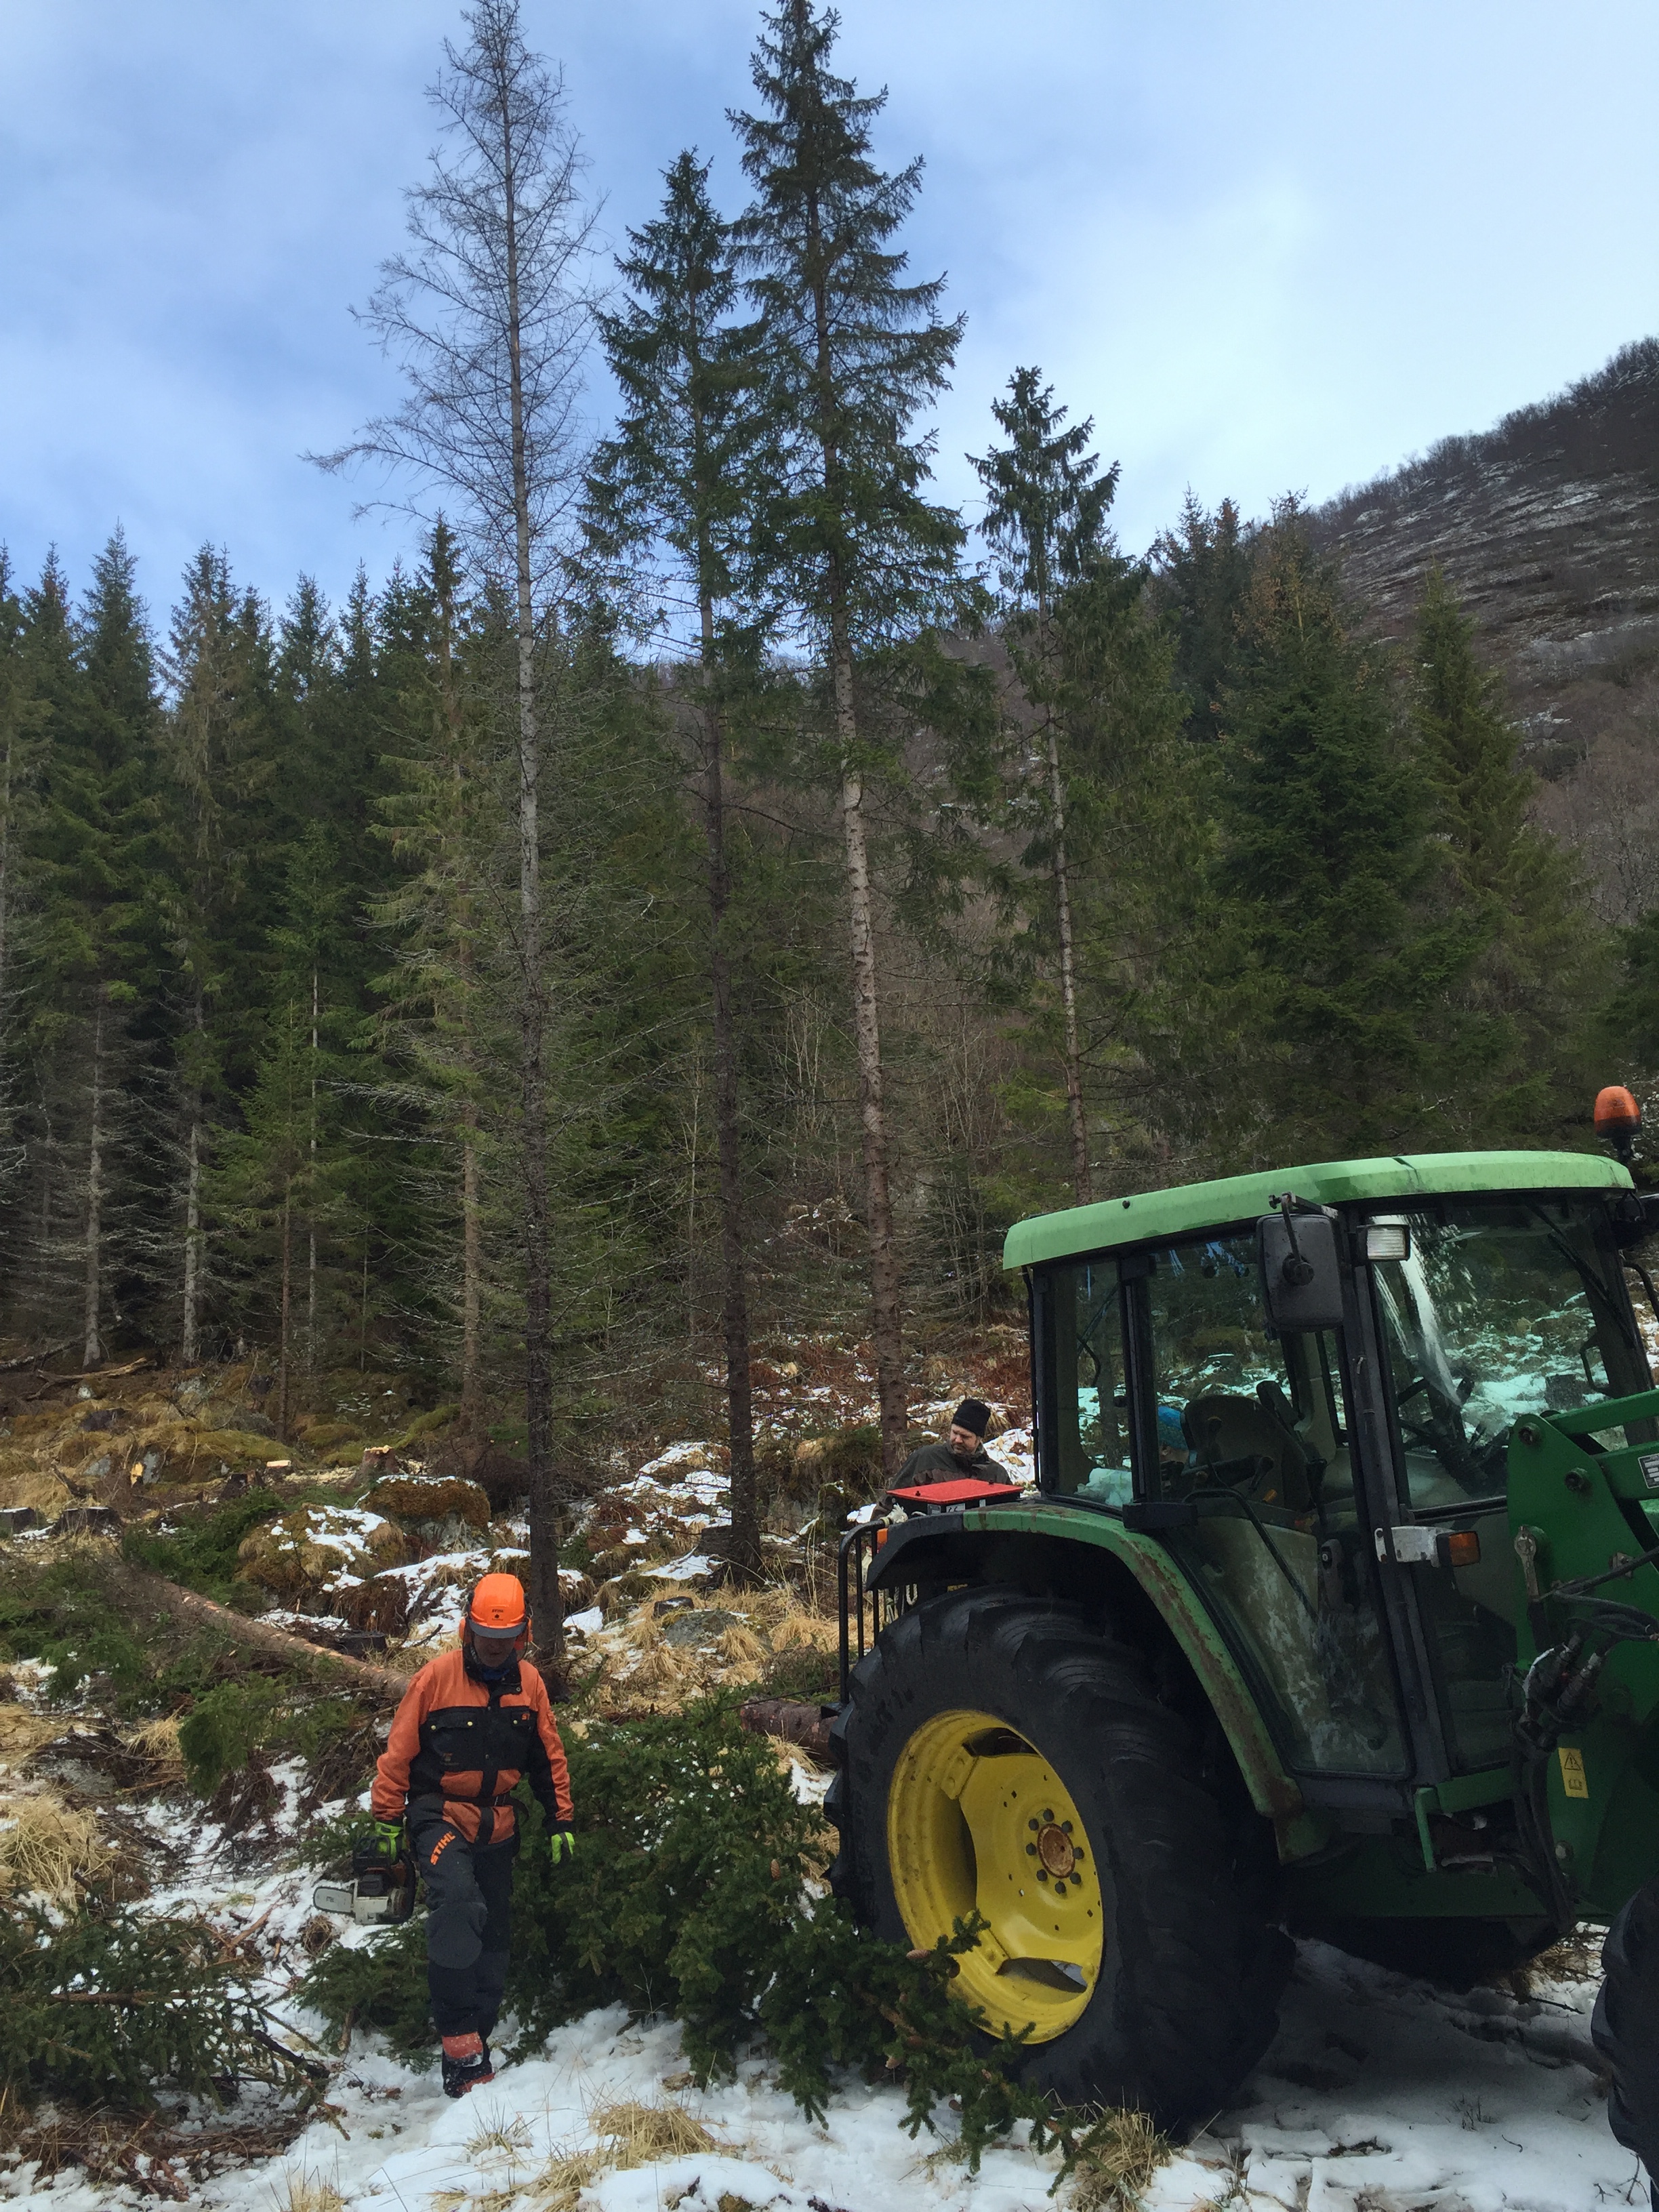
488,316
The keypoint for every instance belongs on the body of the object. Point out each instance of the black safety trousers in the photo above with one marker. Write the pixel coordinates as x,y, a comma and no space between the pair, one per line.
468,1896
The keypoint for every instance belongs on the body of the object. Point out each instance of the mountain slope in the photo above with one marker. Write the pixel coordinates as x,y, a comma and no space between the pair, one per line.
1548,528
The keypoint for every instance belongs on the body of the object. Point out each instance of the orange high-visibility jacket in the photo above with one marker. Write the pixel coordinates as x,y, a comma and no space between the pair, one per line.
458,1746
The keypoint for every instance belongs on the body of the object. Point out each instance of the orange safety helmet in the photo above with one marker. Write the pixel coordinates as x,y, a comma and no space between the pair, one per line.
496,1611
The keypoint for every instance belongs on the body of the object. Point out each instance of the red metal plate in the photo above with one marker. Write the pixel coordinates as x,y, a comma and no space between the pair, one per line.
965,1491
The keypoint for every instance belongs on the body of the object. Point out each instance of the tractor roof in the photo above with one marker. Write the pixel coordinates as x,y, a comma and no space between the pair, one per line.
1196,1205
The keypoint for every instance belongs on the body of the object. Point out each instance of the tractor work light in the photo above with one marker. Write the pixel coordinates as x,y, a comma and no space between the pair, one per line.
1387,1240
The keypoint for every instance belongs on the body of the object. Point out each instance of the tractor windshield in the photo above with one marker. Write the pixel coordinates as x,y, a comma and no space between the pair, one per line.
1502,1307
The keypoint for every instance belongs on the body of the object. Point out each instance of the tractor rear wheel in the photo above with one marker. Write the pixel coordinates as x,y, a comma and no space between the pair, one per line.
1001,1753
1624,2027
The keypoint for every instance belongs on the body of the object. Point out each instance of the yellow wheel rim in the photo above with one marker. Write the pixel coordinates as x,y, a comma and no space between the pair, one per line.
979,1819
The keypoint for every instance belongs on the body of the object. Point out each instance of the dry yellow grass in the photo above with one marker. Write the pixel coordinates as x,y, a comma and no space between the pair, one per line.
44,1845
740,1646
797,1629
22,1733
559,2186
158,1742
664,1669
643,1632
631,2134
309,2192
22,1482
640,2135
1120,2154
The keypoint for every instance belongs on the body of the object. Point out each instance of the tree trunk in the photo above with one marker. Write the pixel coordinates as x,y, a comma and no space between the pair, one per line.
472,1412
1082,1188
311,1196
202,1613
546,1604
471,1417
93,1347
284,1316
739,1406
190,1348
6,769
886,1321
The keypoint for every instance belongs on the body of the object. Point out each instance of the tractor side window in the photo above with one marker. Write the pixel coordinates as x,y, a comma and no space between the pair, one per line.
1086,1452
1252,1431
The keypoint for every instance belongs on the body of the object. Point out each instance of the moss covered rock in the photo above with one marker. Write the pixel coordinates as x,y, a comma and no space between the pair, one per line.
438,1513
309,1556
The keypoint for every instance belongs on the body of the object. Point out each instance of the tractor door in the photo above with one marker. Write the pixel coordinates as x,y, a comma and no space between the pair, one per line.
1253,1433
1499,1307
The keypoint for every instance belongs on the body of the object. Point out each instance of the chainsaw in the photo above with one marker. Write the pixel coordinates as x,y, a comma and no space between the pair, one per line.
382,1891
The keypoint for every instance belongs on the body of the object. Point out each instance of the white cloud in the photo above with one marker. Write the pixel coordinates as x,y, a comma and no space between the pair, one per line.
1267,243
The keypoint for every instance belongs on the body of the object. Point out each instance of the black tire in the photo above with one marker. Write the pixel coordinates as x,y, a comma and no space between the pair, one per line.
1187,1996
1625,2027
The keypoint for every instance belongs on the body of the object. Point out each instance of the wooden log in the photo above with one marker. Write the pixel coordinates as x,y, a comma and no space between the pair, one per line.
806,1725
202,1613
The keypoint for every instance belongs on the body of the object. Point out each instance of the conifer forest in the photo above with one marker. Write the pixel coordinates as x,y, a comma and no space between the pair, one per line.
718,886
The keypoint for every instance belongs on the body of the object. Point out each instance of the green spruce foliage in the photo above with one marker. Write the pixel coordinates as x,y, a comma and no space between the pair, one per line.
113,2008
1540,967
1344,974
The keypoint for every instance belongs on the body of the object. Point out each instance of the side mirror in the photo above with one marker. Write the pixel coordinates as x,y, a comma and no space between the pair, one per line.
1635,1217
1301,1279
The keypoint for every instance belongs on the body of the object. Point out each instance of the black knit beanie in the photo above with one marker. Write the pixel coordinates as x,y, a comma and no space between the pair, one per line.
971,1414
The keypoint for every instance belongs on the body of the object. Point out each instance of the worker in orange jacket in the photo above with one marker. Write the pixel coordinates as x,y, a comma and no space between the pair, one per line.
473,1723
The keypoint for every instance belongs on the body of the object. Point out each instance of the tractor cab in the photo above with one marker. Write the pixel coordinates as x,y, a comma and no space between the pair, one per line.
1311,1387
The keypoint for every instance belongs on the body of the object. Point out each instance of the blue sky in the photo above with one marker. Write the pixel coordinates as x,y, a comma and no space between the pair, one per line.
1266,247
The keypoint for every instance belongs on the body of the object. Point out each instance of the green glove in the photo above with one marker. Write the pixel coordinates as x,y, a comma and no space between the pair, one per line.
562,1844
389,1838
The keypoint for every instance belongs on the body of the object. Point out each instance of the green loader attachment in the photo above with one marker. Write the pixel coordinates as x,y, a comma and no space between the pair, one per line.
1335,1611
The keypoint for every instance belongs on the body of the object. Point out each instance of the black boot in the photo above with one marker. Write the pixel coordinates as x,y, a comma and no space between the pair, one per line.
465,2064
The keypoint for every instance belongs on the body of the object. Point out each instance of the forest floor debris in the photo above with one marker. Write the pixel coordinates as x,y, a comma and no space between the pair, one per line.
1378,2092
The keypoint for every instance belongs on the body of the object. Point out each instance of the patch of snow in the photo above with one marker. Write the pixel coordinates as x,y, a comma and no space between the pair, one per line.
586,1624
689,1569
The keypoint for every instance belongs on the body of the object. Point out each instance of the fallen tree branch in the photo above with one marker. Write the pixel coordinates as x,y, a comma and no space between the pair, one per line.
34,1358
202,1613
87,1375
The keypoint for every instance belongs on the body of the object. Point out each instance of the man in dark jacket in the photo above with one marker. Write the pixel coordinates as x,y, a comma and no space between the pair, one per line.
473,1723
962,1454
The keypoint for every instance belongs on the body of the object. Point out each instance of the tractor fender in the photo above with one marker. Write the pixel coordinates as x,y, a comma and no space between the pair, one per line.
1058,1548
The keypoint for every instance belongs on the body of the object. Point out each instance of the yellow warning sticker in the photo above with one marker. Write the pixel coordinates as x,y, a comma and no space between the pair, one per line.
1574,1780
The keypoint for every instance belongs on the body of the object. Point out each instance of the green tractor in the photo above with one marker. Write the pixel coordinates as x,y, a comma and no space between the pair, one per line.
1335,1609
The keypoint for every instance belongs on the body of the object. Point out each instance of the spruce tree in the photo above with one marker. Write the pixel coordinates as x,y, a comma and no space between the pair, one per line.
1203,567
215,772
686,468
856,553
441,1021
24,720
97,911
1544,960
1045,514
1345,974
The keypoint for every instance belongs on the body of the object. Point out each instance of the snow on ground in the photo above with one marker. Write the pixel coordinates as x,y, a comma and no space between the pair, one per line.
1378,2095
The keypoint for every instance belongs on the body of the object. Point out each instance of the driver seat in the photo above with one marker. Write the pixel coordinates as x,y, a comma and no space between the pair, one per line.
1237,1438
